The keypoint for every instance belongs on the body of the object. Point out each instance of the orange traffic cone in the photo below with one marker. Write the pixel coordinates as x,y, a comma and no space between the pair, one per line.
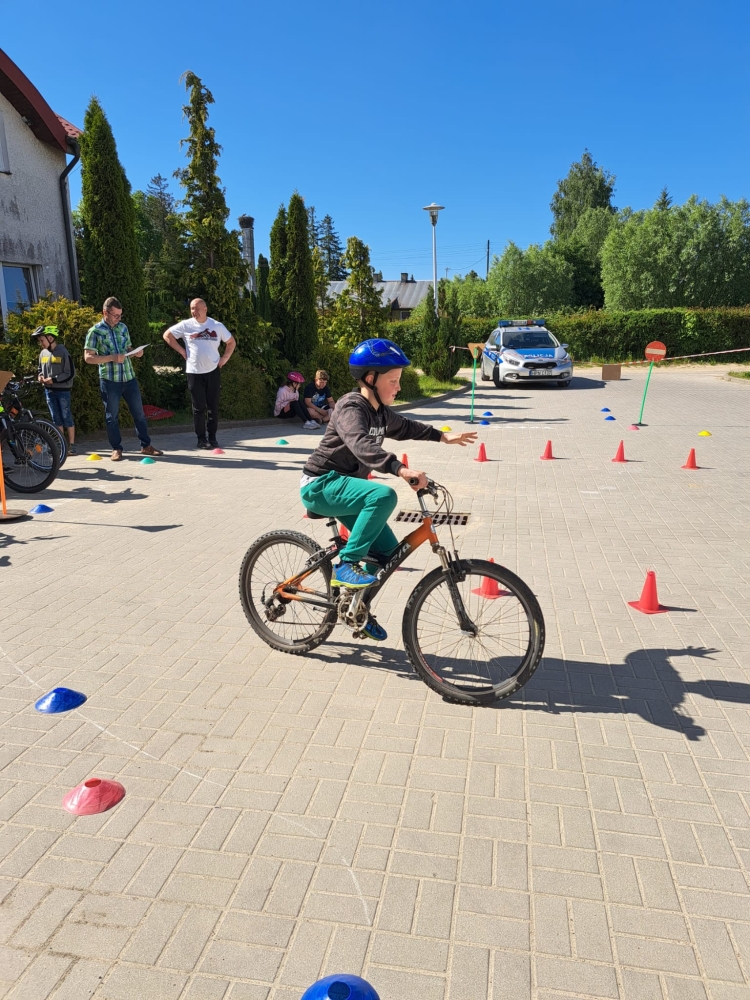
405,460
648,602
547,456
690,464
482,454
620,456
490,589
343,532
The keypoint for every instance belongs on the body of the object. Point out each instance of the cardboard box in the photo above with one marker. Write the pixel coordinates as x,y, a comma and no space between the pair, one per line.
611,373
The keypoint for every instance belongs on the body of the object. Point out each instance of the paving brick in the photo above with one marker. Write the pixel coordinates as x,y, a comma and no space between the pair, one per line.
551,926
591,931
511,976
185,948
40,978
578,977
398,903
154,932
409,952
469,973
126,982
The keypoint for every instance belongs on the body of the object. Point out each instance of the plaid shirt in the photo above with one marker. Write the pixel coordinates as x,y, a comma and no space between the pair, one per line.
103,339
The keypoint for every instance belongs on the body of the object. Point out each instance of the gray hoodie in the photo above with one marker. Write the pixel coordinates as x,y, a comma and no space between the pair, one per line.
353,441
57,364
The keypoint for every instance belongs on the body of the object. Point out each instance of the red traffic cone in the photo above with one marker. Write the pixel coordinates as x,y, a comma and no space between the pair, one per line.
482,454
690,464
343,532
405,460
620,456
547,456
648,602
490,589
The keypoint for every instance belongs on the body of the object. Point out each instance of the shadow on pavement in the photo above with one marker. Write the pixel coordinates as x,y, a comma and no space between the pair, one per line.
7,540
646,685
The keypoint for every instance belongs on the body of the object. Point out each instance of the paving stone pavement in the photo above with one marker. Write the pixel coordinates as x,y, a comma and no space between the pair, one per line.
290,817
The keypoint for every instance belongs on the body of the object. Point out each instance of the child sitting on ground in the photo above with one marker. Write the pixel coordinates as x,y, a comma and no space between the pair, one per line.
288,404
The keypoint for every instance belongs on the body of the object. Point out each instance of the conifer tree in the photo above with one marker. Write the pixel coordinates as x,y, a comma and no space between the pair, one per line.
216,271
277,269
358,313
314,227
110,262
263,305
301,331
332,250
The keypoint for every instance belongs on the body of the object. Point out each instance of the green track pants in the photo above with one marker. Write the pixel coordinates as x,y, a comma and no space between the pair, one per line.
362,505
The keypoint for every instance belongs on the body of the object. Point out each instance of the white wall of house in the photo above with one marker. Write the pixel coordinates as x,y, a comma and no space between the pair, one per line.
32,224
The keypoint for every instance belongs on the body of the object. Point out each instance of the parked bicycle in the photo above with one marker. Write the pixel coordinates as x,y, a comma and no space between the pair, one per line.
29,456
472,629
12,399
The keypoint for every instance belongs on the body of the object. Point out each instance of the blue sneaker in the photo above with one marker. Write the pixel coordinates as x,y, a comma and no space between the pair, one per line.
351,575
375,631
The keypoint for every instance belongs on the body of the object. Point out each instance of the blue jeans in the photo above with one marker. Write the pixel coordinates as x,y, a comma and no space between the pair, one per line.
112,393
58,403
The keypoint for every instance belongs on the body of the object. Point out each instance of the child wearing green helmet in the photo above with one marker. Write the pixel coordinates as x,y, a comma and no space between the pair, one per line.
56,372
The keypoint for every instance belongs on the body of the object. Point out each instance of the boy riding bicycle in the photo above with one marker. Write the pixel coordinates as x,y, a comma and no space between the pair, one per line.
334,481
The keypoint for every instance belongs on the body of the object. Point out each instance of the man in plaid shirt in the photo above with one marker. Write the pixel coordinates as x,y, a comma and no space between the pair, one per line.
106,346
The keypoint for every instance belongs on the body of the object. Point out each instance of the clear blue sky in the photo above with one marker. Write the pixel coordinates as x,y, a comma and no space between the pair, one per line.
373,110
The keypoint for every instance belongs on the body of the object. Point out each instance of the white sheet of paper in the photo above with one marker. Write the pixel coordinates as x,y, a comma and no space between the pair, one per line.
136,349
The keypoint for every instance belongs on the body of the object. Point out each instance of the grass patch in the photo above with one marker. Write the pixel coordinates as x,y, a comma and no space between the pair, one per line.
428,387
739,374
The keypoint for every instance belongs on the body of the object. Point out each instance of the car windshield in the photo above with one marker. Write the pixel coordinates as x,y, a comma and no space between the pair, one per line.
518,341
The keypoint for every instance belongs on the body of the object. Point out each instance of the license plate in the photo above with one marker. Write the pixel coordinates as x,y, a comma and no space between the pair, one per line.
543,373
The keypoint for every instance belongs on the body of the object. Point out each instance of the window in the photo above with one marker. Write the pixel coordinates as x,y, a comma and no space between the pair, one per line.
17,287
4,161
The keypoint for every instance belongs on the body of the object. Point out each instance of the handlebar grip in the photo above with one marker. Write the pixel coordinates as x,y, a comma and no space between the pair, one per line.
412,481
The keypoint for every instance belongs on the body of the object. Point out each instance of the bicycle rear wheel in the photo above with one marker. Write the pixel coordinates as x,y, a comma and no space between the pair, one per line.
60,443
30,460
474,669
283,623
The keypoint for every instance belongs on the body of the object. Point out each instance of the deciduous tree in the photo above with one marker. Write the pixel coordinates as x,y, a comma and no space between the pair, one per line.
587,185
358,313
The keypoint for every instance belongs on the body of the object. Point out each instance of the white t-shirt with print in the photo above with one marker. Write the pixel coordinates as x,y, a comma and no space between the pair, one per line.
201,343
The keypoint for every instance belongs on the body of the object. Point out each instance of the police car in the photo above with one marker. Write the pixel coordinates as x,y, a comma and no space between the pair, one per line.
525,351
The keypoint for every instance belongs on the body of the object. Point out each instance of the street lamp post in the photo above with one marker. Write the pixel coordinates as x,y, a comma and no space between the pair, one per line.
433,209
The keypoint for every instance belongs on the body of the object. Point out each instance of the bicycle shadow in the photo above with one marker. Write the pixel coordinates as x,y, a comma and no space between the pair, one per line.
646,685
7,540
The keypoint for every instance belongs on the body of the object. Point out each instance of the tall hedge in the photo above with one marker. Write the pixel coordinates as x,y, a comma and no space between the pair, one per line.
617,336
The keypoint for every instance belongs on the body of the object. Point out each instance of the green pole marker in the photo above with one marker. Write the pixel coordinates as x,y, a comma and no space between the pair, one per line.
643,401
473,384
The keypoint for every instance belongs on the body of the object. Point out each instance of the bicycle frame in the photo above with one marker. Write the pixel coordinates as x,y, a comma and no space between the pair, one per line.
290,589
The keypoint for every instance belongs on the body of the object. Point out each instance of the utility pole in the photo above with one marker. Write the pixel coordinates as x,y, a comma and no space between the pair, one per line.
487,272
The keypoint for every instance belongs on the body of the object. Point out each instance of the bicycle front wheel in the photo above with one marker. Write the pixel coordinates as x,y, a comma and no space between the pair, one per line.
493,659
30,459
294,626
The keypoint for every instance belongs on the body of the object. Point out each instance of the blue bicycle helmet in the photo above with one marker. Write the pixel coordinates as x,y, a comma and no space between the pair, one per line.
376,355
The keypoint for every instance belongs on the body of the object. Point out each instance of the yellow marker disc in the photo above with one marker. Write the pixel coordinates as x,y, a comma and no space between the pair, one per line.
93,457
704,434
445,429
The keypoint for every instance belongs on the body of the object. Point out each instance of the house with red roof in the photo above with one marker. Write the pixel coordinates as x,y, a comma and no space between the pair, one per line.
38,150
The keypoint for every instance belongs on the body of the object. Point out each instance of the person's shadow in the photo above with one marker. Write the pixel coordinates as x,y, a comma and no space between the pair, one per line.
646,685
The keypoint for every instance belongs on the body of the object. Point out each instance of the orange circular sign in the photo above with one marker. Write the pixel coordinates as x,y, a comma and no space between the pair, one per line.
655,351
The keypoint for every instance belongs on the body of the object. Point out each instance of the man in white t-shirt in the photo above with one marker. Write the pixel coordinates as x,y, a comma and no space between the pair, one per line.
201,336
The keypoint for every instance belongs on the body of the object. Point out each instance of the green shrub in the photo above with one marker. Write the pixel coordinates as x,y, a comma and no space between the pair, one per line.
244,392
409,384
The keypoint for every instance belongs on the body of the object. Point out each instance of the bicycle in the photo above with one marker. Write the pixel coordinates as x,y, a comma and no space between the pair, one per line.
12,396
29,457
473,631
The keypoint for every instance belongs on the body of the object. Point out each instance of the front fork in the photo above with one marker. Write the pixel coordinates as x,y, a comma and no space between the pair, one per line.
454,575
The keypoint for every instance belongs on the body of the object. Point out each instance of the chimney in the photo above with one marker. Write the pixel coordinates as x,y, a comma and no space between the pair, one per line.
248,249
404,275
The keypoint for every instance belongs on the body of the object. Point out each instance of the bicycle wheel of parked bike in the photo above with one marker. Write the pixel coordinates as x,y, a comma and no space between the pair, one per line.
60,443
282,621
30,459
484,663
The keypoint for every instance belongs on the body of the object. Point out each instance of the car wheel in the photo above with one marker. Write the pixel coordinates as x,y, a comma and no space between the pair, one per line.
496,377
482,376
